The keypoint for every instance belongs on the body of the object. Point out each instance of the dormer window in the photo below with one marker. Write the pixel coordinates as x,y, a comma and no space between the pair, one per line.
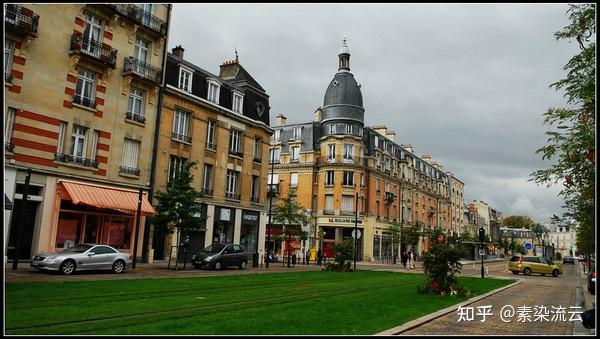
332,129
213,91
185,79
297,133
238,102
349,129
276,135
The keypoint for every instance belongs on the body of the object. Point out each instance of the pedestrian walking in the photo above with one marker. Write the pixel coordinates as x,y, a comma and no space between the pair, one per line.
412,260
404,259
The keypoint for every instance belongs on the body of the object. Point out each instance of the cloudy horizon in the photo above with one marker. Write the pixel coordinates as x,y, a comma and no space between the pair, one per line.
464,83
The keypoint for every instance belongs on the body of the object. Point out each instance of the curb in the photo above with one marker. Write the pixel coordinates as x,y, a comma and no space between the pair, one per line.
419,321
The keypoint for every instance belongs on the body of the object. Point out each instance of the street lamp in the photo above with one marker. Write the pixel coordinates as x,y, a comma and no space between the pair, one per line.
355,229
481,238
270,204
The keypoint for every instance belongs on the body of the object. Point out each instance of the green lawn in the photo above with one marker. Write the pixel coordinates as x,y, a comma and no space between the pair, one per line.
315,302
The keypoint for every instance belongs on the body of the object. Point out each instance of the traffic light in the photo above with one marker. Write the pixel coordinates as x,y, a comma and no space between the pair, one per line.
481,234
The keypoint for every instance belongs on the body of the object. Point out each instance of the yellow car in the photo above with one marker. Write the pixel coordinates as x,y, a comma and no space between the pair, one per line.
528,265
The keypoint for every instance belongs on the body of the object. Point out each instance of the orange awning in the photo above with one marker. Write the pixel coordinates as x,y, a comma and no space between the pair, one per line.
125,201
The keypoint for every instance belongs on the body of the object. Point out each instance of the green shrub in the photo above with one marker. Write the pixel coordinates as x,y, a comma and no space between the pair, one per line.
344,253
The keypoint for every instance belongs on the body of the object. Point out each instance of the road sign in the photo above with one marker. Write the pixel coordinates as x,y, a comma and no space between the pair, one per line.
359,234
527,245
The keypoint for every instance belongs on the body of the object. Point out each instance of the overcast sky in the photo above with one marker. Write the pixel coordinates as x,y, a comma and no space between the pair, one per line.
464,83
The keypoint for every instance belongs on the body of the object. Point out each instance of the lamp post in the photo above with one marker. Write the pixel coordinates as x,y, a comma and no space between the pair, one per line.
481,238
355,229
270,205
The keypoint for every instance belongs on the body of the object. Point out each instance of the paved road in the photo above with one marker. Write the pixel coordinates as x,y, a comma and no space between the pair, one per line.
534,291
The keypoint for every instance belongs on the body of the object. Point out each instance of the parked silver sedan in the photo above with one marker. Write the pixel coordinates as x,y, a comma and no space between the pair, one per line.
83,257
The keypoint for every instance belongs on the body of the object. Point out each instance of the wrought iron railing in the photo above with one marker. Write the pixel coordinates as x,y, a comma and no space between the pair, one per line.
211,146
135,117
143,17
83,101
231,195
68,158
21,19
129,170
141,69
236,153
181,137
95,49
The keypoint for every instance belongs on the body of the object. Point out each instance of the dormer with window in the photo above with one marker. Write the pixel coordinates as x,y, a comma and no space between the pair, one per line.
185,78
214,89
238,102
297,133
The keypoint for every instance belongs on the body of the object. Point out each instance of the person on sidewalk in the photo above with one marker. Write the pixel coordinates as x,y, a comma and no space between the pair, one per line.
412,260
404,259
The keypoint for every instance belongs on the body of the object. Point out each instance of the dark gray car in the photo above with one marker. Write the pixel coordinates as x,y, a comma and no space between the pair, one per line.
219,256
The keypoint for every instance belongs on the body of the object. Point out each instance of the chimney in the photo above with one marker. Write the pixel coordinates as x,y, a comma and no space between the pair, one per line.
381,129
229,69
407,147
391,135
280,119
318,114
178,51
426,157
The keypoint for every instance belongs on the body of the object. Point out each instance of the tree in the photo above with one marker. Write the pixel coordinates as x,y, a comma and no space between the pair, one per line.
410,234
344,252
292,216
572,144
518,221
178,208
441,262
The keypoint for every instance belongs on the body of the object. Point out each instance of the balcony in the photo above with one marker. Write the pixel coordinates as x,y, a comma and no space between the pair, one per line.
8,147
389,197
129,170
232,195
21,20
328,212
96,51
207,192
71,159
181,137
142,70
135,117
142,17
83,101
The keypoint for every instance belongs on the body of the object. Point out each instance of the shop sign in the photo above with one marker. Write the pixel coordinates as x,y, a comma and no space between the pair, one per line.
225,214
250,218
344,220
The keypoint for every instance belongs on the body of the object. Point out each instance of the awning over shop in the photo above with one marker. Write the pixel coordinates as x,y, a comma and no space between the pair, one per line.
125,201
8,205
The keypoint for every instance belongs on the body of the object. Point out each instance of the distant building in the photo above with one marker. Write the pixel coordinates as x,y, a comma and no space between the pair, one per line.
563,240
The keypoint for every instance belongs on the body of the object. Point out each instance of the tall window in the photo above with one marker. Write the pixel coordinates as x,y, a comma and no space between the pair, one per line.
185,79
349,129
274,155
297,133
257,153
238,101
135,108
175,166
295,151
332,129
234,141
348,178
348,151
347,203
78,141
147,8
9,50
328,204
213,92
255,188
276,135
85,89
331,152
207,179
92,35
329,178
130,156
181,121
294,180
210,134
232,183
8,125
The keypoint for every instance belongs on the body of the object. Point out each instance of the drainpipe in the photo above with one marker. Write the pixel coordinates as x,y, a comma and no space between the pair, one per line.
156,134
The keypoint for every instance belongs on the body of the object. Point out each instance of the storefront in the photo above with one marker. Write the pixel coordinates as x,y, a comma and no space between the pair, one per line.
89,213
249,232
335,230
224,225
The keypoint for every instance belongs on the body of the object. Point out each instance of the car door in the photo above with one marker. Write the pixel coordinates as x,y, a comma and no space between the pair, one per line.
545,266
103,257
238,256
228,256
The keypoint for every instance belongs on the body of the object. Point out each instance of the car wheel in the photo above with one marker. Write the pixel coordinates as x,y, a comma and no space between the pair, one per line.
527,271
118,266
218,266
555,273
67,267
243,265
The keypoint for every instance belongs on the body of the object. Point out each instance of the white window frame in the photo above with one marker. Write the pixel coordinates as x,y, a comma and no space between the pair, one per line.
294,179
8,124
87,79
93,23
235,137
210,134
348,152
238,102
213,91
329,178
207,177
257,151
9,51
255,187
329,202
175,166
142,47
131,150
294,153
349,128
276,135
332,129
181,121
297,133
232,184
78,137
331,152
136,95
185,83
348,179
274,154
348,203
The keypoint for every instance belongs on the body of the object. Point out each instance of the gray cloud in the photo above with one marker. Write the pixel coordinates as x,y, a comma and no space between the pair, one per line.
465,83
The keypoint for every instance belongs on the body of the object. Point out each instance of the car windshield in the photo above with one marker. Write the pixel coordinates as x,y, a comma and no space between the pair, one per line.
214,248
79,248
